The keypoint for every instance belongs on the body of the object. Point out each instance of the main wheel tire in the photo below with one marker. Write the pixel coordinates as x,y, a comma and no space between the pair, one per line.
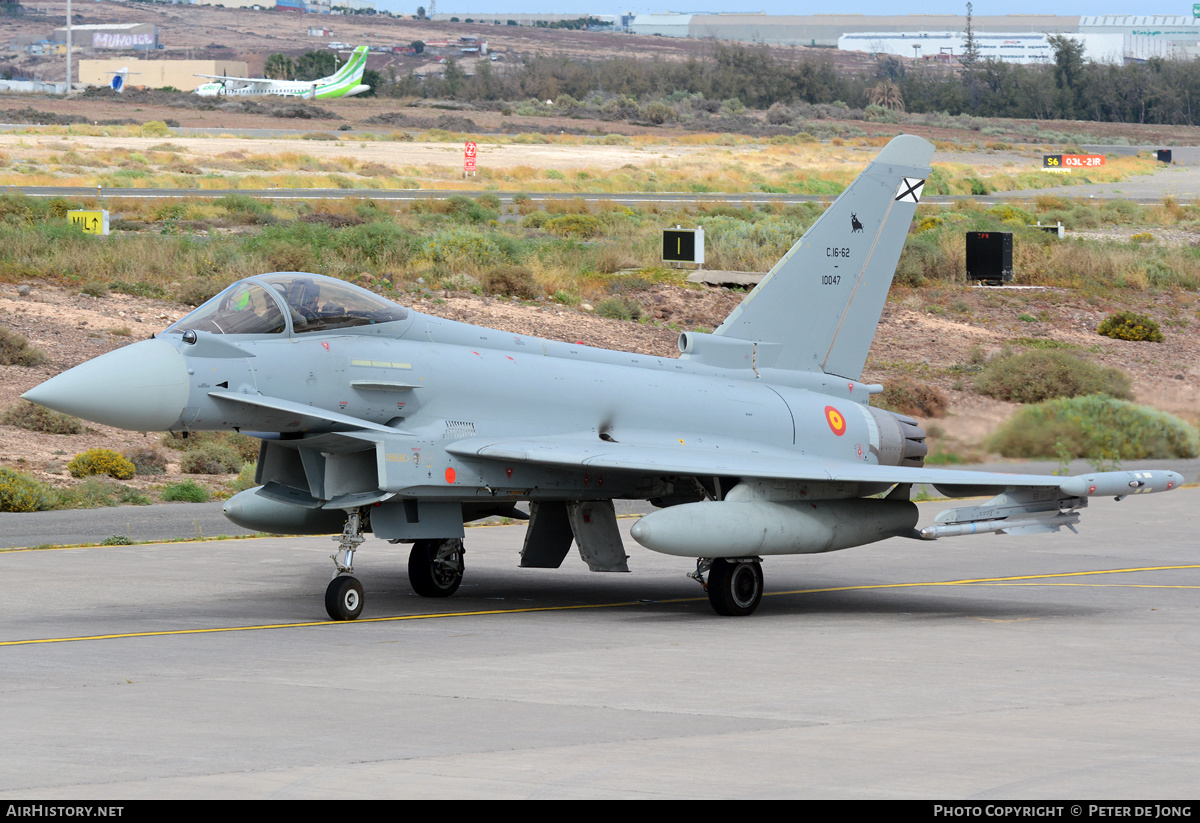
734,589
344,598
434,568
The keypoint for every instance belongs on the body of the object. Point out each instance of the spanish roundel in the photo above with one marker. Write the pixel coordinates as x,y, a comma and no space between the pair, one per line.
837,423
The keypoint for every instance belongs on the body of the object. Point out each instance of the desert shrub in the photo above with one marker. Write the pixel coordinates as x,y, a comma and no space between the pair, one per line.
466,249
147,461
779,115
1127,325
1034,376
242,204
94,288
211,458
100,461
95,493
465,210
21,493
245,446
193,291
619,308
925,258
658,113
185,491
574,225
512,281
489,201
535,219
908,396
16,351
244,479
1094,426
26,415
155,128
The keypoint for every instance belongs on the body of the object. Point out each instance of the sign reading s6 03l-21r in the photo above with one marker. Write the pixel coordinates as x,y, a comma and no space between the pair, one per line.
1072,161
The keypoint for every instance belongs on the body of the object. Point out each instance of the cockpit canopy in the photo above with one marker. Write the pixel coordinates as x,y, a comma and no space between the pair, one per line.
289,301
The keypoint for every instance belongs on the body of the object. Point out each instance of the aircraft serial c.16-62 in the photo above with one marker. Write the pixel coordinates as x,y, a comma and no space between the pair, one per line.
758,440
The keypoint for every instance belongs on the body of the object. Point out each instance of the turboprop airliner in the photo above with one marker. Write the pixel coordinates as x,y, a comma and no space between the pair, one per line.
345,82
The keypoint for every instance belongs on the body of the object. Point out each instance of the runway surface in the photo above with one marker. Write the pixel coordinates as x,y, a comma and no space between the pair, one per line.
1056,666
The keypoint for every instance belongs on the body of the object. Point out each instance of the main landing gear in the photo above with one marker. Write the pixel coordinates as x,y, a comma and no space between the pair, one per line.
734,586
435,567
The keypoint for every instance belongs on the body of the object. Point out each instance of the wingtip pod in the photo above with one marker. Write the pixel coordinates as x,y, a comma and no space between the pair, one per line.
1120,484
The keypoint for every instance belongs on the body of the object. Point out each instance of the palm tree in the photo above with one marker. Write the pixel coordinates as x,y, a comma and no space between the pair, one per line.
887,94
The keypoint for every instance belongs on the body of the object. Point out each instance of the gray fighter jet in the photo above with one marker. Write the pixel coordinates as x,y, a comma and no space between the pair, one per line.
758,440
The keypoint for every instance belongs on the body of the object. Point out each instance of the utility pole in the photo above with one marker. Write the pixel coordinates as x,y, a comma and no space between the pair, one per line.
68,47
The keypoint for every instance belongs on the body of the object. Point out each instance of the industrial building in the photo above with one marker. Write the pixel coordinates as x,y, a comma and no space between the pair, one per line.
825,29
1010,47
156,74
137,36
1016,38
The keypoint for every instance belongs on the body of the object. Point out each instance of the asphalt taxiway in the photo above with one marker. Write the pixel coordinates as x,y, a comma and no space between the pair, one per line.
1047,666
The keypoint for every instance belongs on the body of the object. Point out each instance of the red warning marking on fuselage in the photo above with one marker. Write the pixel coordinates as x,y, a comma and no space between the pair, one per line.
450,475
837,423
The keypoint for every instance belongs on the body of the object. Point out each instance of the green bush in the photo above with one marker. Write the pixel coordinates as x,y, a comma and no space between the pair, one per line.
26,415
245,478
185,491
211,458
574,225
245,446
95,493
1127,325
21,493
147,461
619,308
100,461
1044,374
1094,426
16,351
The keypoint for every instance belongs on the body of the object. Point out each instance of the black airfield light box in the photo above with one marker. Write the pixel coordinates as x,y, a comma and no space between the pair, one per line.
989,257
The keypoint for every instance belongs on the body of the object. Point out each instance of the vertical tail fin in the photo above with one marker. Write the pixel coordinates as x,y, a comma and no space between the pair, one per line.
351,69
822,301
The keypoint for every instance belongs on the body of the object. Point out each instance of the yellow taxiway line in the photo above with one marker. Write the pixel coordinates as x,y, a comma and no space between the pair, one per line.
1016,580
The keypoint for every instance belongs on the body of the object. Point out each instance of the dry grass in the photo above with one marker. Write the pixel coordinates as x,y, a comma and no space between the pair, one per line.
690,163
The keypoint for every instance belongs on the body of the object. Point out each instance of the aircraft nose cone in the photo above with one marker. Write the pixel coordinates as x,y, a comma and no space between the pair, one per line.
141,387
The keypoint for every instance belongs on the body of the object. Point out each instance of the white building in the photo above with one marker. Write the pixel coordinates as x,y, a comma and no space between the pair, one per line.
1008,47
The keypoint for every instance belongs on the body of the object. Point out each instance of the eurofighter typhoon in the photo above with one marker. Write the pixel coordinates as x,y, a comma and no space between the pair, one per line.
757,441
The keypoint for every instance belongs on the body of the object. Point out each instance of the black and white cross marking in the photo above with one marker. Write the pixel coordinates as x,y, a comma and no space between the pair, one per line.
910,190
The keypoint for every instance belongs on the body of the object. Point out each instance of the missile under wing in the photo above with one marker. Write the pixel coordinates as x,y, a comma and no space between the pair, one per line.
758,440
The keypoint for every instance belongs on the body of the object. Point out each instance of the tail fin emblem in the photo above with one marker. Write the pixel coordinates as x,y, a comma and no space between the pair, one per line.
909,191
854,224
